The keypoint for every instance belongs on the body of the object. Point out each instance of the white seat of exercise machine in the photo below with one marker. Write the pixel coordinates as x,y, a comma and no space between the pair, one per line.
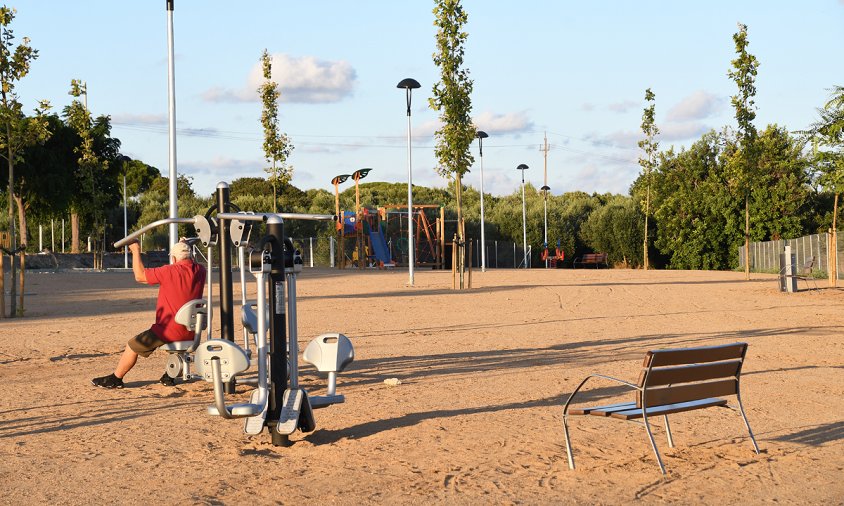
232,361
330,352
194,316
249,317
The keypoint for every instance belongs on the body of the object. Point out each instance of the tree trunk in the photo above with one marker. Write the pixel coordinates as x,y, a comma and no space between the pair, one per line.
2,286
74,232
22,218
461,239
746,238
647,211
834,248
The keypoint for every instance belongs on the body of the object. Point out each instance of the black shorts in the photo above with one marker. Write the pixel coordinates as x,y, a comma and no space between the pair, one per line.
145,343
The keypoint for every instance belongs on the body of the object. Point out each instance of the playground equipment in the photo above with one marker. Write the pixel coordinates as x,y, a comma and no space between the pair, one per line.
429,223
554,261
278,403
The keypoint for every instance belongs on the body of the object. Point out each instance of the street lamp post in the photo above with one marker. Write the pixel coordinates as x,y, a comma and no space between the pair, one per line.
339,226
357,176
171,102
545,201
125,159
481,135
409,84
522,167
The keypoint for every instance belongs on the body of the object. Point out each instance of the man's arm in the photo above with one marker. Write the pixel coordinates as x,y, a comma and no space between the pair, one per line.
137,263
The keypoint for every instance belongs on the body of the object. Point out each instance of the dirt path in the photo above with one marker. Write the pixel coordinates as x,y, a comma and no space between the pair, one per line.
477,417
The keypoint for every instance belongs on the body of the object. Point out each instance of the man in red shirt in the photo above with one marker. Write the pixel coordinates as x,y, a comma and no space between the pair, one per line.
179,282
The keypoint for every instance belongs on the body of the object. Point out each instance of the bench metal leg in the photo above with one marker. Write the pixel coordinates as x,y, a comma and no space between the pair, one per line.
568,442
653,443
747,424
668,432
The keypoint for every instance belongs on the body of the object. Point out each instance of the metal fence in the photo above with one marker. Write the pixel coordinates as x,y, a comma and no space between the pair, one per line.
764,256
318,251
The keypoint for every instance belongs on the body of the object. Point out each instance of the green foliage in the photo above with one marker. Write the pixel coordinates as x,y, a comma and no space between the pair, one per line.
277,145
780,194
616,229
742,166
452,95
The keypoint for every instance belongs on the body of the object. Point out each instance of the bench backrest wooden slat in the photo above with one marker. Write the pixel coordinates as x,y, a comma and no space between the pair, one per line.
682,356
689,373
687,392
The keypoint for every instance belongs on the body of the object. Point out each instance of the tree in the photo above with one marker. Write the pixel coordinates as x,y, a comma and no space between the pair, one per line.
18,131
650,148
451,97
828,133
615,230
743,164
85,199
277,146
695,213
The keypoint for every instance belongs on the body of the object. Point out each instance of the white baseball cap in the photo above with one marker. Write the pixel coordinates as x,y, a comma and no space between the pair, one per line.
180,251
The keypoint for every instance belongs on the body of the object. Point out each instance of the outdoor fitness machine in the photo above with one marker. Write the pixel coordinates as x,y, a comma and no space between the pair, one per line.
278,403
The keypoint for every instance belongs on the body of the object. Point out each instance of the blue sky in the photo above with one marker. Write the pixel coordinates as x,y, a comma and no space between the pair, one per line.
576,70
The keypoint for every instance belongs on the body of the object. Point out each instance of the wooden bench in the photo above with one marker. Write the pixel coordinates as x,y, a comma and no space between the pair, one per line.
673,381
596,259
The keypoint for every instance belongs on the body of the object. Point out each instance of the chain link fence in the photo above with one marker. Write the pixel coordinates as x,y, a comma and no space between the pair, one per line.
764,256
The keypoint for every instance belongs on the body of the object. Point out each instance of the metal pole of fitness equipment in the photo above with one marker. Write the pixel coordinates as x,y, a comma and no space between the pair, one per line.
522,167
409,85
225,255
171,94
278,328
481,135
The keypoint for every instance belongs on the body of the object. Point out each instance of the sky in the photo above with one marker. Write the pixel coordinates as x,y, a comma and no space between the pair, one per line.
574,71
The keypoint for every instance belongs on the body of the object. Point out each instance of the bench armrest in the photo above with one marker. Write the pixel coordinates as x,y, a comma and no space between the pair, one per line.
610,378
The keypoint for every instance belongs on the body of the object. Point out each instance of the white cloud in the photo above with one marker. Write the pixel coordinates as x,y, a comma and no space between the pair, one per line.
622,107
682,131
697,106
144,119
511,123
617,139
587,106
301,80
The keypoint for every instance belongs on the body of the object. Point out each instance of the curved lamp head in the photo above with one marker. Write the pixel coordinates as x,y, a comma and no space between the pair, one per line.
522,167
340,179
409,84
545,188
360,174
481,134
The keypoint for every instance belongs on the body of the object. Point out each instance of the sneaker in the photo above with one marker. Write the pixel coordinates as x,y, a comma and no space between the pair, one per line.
167,381
110,381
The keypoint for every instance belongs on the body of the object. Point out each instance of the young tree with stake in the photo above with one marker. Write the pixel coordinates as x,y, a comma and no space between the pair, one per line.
648,161
451,97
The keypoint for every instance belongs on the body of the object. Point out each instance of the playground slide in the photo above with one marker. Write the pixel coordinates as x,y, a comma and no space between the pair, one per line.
379,247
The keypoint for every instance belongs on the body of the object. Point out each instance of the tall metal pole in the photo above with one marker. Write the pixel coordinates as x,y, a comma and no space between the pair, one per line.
523,168
125,223
278,327
481,135
409,85
171,93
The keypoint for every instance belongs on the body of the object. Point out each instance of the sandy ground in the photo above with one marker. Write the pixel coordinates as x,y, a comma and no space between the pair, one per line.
477,417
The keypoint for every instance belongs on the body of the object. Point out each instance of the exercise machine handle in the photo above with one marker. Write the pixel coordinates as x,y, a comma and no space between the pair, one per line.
166,221
284,216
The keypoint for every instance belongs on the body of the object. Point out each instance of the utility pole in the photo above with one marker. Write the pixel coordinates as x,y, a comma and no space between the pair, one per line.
544,148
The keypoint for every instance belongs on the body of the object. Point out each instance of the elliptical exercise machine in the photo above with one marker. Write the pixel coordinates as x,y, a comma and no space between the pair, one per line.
278,403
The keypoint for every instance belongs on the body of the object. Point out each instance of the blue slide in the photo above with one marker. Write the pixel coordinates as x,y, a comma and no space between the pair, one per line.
379,247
